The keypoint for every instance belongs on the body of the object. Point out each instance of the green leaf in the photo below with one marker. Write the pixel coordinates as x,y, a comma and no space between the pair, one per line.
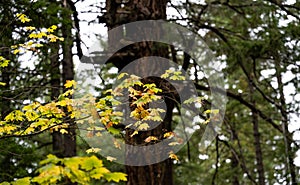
113,131
122,75
99,172
143,126
116,176
23,181
213,111
91,162
50,159
4,183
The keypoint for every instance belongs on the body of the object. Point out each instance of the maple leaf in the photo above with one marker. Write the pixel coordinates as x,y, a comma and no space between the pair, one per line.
150,138
4,63
16,51
173,143
93,150
116,176
23,18
134,133
109,158
70,83
173,156
30,28
143,126
168,134
63,131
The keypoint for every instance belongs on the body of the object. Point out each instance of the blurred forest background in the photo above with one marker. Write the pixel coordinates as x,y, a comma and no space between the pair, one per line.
256,41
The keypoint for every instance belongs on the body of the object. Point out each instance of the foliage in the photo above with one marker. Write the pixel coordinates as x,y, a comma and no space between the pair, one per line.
77,169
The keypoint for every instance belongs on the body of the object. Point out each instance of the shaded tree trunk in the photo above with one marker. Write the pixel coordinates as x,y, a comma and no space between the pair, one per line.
256,134
64,145
117,14
234,159
6,42
68,74
55,92
289,152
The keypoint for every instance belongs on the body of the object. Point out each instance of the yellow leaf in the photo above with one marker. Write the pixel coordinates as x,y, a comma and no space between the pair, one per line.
62,103
52,38
29,130
173,156
63,131
33,35
143,126
168,134
15,115
173,143
31,115
41,35
4,63
134,133
122,75
38,45
109,158
22,181
30,28
50,30
10,117
150,138
213,111
93,150
9,128
54,27
2,83
70,83
70,108
68,92
23,18
117,144
16,51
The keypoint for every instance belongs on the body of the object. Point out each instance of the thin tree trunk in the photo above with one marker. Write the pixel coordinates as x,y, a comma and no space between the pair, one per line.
64,145
68,74
6,42
235,162
55,82
256,134
286,134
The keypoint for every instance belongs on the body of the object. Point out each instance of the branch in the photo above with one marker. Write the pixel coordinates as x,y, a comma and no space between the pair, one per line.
242,101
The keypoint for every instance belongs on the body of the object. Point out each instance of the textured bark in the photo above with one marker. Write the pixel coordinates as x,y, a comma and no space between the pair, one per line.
118,14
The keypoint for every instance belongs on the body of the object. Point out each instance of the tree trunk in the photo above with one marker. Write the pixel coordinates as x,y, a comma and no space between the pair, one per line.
68,74
234,159
121,13
290,154
6,42
64,145
256,134
55,92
